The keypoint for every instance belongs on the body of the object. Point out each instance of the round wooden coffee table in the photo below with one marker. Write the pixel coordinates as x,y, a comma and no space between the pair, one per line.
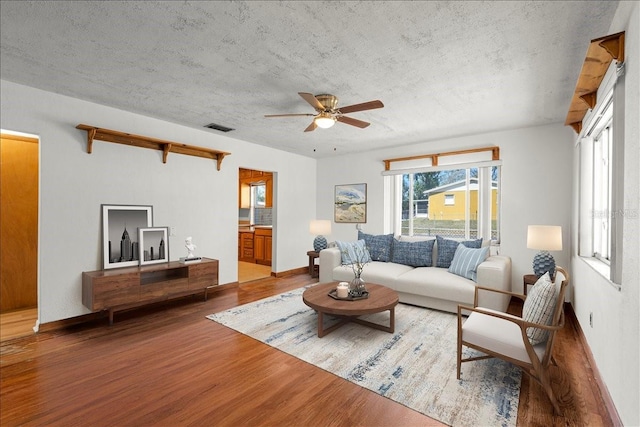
380,299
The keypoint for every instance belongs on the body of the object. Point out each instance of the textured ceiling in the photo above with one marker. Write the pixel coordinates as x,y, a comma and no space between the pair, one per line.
441,68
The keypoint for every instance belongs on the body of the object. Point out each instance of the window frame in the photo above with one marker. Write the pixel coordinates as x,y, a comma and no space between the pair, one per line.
607,113
485,184
602,177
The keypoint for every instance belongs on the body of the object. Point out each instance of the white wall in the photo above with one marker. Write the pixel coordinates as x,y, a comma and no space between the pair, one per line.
614,338
536,186
187,192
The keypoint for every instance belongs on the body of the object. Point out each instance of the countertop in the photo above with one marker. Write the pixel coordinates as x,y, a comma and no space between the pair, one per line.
251,229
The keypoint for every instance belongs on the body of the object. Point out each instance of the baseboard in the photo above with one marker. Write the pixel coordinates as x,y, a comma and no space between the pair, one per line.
294,272
71,321
84,318
604,392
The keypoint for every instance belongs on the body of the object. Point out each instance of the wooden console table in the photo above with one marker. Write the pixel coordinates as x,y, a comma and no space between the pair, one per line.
122,288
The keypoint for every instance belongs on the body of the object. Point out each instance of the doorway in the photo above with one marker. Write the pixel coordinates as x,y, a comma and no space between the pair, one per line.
255,224
19,188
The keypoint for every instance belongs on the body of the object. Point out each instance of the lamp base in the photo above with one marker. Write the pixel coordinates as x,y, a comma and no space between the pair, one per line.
319,243
543,262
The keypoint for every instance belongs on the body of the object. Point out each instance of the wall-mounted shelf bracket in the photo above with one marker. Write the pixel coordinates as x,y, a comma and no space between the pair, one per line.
166,147
600,53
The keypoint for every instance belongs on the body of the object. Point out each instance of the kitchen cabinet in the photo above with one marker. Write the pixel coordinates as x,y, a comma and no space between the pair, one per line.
244,195
269,191
249,177
246,252
262,245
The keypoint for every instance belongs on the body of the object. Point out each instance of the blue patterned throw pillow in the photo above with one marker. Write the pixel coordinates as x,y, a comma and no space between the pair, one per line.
447,249
352,252
379,246
466,261
415,254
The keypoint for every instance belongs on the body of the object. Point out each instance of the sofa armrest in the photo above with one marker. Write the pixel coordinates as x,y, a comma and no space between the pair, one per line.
495,273
330,258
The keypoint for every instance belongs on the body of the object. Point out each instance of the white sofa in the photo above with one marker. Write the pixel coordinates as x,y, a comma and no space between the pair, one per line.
432,287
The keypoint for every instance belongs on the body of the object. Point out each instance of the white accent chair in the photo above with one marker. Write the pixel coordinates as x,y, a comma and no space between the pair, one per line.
504,336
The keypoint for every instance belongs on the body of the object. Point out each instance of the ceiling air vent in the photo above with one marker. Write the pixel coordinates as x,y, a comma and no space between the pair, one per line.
218,127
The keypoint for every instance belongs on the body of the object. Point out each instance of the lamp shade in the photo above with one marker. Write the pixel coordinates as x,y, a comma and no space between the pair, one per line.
319,227
544,237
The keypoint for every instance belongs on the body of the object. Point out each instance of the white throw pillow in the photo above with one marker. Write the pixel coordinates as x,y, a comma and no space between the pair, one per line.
353,252
466,260
539,307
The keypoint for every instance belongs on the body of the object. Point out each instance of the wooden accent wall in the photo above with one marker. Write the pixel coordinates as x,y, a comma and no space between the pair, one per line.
18,222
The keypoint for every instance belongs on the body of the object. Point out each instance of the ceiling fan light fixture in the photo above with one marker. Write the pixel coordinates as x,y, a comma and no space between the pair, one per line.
325,120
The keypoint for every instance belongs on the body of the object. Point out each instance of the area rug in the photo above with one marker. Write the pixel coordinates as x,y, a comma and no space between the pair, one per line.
415,366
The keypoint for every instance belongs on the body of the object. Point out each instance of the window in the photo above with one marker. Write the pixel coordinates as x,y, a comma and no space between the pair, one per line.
258,198
460,203
601,166
601,210
258,195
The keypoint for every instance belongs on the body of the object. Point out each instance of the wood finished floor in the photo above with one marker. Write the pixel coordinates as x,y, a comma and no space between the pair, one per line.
17,323
168,365
248,272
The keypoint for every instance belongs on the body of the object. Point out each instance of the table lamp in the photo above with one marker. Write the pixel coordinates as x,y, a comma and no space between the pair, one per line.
320,227
545,238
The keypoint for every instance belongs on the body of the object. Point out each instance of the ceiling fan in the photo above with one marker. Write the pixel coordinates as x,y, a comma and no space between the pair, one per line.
328,112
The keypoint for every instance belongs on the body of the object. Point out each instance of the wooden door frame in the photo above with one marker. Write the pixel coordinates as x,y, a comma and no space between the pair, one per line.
32,138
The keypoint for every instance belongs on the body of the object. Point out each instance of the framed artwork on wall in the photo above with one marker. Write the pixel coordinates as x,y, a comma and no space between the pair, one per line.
120,225
350,203
154,245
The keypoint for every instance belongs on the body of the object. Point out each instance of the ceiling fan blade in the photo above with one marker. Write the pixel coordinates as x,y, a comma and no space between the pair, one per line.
288,115
353,122
311,127
312,100
371,105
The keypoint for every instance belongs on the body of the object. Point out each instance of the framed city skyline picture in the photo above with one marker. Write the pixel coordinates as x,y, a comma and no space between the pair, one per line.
153,245
120,225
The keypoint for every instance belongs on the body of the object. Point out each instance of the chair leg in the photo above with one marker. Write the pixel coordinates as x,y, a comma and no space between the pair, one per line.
459,360
546,384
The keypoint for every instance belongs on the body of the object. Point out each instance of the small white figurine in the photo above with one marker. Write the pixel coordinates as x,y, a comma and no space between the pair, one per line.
188,243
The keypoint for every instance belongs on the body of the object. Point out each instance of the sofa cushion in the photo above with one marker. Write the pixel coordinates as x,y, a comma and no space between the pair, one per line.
447,249
379,245
382,273
465,261
539,307
437,283
415,254
352,252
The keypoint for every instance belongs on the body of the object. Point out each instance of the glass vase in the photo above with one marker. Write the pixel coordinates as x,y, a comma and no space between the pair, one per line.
356,287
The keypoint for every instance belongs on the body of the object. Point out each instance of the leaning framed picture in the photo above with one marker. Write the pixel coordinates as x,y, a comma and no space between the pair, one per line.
120,225
350,203
154,245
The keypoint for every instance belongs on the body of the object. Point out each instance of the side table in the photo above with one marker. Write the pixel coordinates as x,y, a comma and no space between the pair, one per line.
314,269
